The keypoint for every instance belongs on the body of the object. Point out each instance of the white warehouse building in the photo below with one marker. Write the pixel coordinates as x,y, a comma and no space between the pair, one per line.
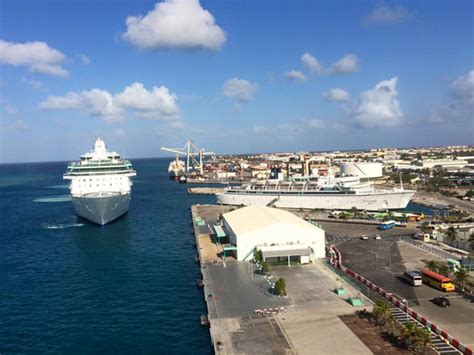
277,233
363,170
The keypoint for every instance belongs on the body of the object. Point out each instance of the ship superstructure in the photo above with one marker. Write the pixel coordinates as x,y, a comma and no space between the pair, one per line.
176,169
324,192
100,184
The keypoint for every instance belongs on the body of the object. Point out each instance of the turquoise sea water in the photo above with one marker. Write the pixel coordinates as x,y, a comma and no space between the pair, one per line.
71,286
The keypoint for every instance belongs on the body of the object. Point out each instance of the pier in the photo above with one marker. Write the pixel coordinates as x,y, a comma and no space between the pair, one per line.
205,190
243,317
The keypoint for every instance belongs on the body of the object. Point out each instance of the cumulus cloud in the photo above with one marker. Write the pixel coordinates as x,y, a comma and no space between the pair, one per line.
460,105
336,95
345,65
312,64
378,107
158,103
35,84
38,57
295,75
384,14
239,89
181,24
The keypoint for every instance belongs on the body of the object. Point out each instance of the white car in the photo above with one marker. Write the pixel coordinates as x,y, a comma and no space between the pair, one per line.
377,236
364,237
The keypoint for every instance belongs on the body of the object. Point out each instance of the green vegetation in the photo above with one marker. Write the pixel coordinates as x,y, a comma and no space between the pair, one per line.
409,333
382,311
452,234
280,287
433,266
258,256
265,266
461,276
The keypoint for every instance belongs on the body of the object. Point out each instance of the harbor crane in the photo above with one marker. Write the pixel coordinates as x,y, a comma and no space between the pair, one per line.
192,154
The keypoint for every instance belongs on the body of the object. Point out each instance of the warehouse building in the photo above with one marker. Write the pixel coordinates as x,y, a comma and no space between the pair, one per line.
277,233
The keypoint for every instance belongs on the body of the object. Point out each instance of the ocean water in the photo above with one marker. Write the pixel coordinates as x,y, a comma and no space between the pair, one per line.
67,285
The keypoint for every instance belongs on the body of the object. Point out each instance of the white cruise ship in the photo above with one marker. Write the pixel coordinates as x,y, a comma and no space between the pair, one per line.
317,193
100,184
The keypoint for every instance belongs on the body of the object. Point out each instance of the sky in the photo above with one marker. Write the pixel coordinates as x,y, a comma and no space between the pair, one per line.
234,76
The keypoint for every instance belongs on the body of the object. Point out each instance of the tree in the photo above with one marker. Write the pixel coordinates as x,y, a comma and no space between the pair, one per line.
408,332
422,337
433,266
461,276
280,287
382,311
258,256
443,270
265,266
452,234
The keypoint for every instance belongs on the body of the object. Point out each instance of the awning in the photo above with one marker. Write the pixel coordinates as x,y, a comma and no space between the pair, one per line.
285,252
219,231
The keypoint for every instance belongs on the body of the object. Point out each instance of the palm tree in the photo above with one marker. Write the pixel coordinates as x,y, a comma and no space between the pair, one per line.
461,276
471,241
452,234
408,332
422,337
433,266
382,311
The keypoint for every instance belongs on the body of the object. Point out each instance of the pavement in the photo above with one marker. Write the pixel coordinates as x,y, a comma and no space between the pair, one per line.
384,261
311,323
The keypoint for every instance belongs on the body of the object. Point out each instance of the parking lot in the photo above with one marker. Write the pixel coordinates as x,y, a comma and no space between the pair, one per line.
384,261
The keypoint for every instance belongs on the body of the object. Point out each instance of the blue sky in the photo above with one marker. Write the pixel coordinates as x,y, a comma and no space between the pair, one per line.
235,76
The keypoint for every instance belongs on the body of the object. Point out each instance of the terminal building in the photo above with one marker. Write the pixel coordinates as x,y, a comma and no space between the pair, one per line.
279,234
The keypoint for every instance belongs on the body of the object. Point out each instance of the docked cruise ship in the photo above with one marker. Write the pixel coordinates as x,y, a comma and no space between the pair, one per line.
100,184
323,192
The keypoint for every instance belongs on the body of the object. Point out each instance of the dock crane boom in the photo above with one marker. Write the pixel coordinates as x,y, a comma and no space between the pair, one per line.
191,152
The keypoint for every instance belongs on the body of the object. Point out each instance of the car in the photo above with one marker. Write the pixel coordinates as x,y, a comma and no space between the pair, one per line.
364,237
377,236
441,301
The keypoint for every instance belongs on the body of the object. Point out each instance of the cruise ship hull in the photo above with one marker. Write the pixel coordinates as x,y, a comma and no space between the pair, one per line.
101,209
390,200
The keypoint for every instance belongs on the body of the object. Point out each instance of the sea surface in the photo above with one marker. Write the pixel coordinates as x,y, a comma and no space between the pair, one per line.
67,285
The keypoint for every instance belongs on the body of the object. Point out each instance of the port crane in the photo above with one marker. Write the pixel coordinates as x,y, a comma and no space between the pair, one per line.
192,154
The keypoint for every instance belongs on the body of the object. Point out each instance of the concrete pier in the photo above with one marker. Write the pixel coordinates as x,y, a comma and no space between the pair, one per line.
205,190
236,295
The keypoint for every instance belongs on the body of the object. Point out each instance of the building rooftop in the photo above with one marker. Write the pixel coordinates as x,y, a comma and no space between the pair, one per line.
249,218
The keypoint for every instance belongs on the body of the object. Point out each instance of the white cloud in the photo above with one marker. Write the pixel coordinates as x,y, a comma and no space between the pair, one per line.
312,64
239,89
295,75
158,103
37,56
314,124
460,106
345,65
35,84
336,95
379,106
384,14
85,60
20,125
463,88
181,24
